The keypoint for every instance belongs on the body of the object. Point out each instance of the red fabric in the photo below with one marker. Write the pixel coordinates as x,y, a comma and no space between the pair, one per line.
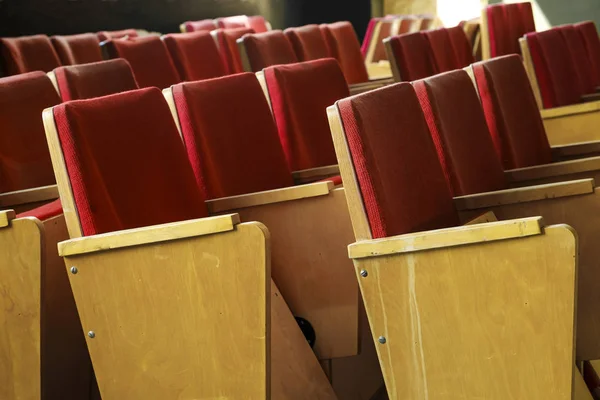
384,32
300,94
516,30
369,35
237,21
258,24
107,35
195,55
267,49
27,54
527,21
459,130
337,180
230,156
413,56
228,48
126,163
441,49
77,49
344,46
406,24
85,81
579,58
205,25
308,42
24,156
589,34
461,46
506,24
44,212
399,176
511,111
149,60
554,68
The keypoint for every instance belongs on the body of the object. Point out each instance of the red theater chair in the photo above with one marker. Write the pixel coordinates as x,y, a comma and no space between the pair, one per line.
421,273
125,33
442,50
205,25
149,59
501,27
411,56
27,54
262,50
98,79
589,35
195,55
77,49
308,42
226,40
171,272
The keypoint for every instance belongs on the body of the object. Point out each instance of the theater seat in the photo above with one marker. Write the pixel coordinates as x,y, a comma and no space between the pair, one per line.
308,42
411,56
205,25
344,47
589,34
27,54
255,22
583,67
148,58
502,26
108,35
262,50
195,55
77,49
461,46
443,53
93,80
226,40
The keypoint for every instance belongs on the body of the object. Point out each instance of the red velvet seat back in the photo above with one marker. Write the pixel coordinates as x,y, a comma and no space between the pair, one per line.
230,136
399,176
344,46
149,59
126,163
511,112
554,68
413,56
441,48
258,24
461,46
506,24
460,133
527,23
308,42
589,34
234,22
27,54
267,49
300,94
195,55
228,48
205,25
108,35
77,49
85,81
24,156
579,57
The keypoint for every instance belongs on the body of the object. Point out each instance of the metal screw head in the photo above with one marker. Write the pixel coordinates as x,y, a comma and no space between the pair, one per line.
74,270
364,273
382,339
91,334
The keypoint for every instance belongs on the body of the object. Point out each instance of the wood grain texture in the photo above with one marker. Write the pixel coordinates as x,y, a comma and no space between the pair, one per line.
492,321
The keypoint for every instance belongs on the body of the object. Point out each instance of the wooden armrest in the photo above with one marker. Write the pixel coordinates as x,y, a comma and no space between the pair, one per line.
6,217
553,170
269,196
570,110
449,237
487,216
590,97
34,195
523,195
148,235
306,175
576,149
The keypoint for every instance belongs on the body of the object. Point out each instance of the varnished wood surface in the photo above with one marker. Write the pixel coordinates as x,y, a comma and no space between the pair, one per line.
572,128
555,170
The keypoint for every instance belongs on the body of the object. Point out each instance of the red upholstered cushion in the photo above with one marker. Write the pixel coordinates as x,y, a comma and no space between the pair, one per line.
267,49
126,163
459,131
228,48
149,60
205,25
498,30
230,136
512,113
514,20
44,212
441,48
554,68
527,23
579,57
588,32
85,81
413,55
308,42
107,35
300,94
461,46
344,46
369,35
236,21
27,54
399,175
24,156
384,32
195,55
258,24
77,49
